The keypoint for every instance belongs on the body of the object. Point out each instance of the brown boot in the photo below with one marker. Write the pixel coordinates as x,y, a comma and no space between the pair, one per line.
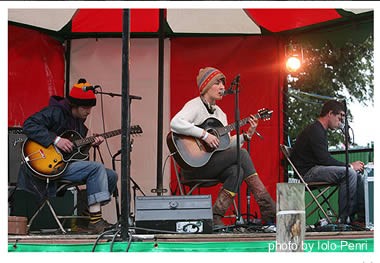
266,204
221,205
99,227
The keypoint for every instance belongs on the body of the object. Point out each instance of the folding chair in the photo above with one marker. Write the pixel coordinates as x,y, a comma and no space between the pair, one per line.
63,185
194,184
322,187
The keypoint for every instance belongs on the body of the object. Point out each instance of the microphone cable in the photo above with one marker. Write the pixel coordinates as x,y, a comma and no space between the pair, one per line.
103,122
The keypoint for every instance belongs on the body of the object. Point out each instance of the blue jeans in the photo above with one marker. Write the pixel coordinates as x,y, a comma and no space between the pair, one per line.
100,181
337,174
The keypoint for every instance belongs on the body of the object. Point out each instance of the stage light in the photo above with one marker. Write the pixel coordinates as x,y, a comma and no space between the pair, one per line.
293,64
294,57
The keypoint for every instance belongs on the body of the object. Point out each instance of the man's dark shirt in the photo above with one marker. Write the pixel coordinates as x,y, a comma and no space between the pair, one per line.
311,149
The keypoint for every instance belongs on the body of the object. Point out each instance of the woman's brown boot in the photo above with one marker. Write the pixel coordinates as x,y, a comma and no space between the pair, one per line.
266,204
221,205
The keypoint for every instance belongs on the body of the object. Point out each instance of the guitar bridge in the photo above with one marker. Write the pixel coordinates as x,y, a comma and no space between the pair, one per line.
30,158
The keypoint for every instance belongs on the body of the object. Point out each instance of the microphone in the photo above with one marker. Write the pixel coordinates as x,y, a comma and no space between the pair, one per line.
342,126
87,88
227,92
234,82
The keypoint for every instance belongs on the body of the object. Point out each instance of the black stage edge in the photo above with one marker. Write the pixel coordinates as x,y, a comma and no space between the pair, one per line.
125,127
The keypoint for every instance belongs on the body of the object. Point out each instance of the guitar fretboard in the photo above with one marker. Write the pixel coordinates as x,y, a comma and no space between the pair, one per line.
91,139
232,126
135,129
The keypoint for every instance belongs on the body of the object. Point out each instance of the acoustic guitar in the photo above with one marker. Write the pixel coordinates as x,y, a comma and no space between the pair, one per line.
50,162
190,152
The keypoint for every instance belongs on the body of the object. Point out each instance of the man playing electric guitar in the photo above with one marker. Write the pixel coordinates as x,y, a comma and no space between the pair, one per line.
45,128
222,164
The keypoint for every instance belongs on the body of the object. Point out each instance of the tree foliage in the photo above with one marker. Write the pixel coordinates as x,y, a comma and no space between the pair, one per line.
341,73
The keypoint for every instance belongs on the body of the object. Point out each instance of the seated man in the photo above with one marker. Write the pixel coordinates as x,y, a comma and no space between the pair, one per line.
45,128
311,157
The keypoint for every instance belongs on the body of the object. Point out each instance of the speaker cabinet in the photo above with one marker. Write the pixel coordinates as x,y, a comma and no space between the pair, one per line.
15,142
177,214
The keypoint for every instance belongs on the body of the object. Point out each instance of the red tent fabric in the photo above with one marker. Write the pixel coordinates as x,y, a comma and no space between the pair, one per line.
35,72
277,20
87,20
146,20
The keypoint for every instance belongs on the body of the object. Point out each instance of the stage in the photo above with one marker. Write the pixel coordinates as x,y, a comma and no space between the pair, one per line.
345,241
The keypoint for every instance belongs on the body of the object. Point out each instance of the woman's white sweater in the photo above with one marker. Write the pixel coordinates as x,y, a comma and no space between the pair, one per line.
195,113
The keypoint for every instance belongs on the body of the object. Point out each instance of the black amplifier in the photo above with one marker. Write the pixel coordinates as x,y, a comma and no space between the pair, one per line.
16,140
177,214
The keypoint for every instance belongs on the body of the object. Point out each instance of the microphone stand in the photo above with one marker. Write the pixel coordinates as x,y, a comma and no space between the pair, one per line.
134,187
131,97
248,193
235,83
346,139
116,192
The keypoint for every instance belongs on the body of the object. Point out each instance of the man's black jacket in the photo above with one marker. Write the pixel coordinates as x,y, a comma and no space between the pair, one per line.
43,127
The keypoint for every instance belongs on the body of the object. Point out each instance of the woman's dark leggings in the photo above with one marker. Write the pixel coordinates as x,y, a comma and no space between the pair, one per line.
223,166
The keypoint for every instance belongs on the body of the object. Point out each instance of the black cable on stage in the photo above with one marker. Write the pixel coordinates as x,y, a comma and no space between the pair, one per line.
166,159
100,236
113,238
129,243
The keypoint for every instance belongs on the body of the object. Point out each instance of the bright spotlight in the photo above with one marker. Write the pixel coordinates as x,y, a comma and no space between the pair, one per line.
294,56
293,64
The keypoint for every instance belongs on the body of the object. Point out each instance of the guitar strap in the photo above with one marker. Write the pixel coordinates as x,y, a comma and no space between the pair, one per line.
210,108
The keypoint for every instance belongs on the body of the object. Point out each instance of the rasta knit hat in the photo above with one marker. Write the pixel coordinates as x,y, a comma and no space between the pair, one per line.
80,97
208,77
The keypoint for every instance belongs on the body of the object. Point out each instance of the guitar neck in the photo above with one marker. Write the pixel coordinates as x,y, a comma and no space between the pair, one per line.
232,126
91,139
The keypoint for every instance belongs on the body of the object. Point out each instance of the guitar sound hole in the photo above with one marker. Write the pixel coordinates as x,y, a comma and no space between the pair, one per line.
213,132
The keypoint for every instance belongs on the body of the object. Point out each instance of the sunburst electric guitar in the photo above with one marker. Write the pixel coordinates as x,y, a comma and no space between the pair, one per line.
50,162
190,152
